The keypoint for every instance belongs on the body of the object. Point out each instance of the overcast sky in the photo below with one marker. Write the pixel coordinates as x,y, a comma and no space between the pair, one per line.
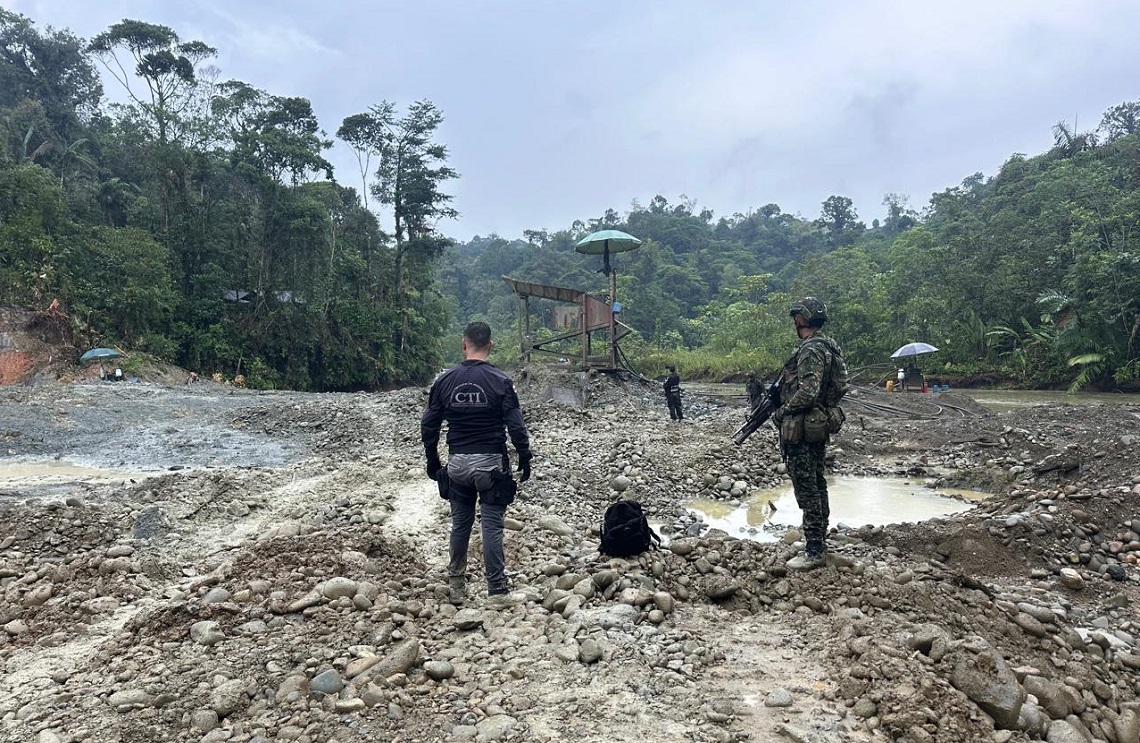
556,111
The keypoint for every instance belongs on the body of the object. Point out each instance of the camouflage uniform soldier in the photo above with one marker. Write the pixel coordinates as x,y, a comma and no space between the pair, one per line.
815,379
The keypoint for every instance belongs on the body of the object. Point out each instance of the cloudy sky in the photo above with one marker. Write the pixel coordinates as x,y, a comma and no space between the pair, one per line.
556,111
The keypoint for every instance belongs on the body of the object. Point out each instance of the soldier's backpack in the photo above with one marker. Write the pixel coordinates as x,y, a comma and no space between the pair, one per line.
828,419
625,530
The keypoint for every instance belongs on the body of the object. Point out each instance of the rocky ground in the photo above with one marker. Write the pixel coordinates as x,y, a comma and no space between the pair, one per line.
269,566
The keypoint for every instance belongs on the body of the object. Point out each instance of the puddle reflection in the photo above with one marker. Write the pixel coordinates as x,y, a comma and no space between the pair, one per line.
854,501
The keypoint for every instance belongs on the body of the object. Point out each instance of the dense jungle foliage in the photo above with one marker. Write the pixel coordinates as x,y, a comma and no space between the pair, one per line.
1031,276
200,222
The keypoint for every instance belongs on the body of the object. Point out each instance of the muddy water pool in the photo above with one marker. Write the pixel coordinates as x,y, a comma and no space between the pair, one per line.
855,501
39,479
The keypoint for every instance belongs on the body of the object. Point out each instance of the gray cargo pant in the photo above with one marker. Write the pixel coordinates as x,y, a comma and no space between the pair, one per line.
473,477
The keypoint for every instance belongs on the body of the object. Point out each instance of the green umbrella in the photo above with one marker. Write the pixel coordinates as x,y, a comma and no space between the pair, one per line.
605,242
100,353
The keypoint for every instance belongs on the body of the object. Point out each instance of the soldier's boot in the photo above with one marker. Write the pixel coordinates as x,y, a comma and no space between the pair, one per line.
456,590
807,561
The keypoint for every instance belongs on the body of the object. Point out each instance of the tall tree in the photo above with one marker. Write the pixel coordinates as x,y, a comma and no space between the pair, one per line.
167,66
48,67
1120,121
409,178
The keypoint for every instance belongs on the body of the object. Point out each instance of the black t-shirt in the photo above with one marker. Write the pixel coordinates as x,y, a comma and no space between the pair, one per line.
478,401
673,384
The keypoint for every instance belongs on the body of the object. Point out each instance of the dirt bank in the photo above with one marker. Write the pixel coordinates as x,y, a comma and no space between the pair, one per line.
269,566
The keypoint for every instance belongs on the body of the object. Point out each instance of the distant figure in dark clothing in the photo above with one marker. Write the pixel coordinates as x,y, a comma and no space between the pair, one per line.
673,394
755,390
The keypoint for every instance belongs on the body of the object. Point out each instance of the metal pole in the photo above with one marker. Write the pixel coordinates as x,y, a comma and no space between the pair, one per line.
613,316
582,315
519,299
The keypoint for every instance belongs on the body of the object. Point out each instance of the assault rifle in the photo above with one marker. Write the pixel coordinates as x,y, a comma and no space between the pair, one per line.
760,414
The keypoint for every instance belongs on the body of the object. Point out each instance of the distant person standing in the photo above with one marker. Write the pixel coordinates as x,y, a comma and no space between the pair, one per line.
673,394
814,381
479,403
755,390
118,374
900,384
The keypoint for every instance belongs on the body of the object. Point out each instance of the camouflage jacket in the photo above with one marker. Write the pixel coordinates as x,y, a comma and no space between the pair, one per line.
808,373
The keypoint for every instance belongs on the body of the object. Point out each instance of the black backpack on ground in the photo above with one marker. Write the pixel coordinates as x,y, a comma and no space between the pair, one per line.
625,530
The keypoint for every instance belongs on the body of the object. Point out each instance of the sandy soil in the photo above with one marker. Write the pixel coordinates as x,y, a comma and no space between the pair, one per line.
209,564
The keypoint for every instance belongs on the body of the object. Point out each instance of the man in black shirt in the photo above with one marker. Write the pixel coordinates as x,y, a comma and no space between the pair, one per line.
479,403
673,394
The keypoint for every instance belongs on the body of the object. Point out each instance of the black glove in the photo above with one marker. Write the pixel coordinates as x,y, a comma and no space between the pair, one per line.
433,464
778,417
524,465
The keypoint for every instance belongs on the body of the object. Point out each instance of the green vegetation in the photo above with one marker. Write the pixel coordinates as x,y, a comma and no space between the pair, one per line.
200,222
1032,276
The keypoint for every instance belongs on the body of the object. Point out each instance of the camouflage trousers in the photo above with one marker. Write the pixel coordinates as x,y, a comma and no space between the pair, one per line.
805,466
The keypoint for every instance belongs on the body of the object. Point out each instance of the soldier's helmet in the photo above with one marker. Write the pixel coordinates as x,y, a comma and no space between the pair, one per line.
813,310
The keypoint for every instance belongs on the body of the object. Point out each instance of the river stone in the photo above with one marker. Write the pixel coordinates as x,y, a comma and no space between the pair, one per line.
466,619
663,601
308,600
206,632
1053,697
620,483
228,697
1127,726
1071,579
610,616
216,595
129,697
48,736
327,682
438,670
1061,731
550,600
357,666
204,720
297,684
987,680
589,651
38,596
1030,625
495,727
15,627
554,524
721,587
403,656
584,588
1033,720
604,578
683,546
339,587
779,697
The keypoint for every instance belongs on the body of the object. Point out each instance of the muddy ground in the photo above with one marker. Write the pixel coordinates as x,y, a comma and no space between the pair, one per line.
200,563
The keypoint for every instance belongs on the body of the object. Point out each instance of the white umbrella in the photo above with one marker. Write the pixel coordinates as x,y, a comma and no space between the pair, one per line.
913,349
